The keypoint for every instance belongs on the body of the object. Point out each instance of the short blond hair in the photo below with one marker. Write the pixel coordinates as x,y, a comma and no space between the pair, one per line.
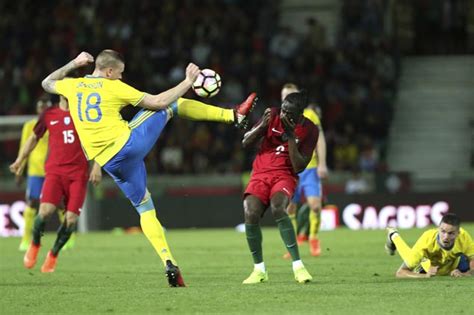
108,58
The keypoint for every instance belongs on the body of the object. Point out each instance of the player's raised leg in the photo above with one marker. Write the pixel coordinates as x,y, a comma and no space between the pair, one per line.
195,110
253,209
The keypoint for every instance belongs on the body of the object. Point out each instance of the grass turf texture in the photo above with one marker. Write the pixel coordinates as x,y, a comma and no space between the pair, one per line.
108,273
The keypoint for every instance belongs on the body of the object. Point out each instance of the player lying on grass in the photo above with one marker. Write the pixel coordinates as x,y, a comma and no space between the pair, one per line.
121,147
286,142
67,173
447,250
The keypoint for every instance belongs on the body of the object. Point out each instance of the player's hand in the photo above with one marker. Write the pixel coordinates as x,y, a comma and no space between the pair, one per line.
16,168
432,271
322,171
95,176
192,72
289,125
83,59
456,273
265,118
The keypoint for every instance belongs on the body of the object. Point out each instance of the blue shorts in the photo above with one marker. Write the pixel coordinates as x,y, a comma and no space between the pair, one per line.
127,167
308,185
34,184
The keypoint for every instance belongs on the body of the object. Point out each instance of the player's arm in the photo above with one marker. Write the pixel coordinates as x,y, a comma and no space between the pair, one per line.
95,175
255,134
18,166
162,100
405,272
49,83
321,152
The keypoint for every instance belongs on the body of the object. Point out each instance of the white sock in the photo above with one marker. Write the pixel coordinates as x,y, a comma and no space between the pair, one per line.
297,264
260,266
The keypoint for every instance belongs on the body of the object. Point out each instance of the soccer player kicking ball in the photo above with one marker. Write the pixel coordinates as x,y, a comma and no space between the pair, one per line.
67,173
121,147
447,250
288,142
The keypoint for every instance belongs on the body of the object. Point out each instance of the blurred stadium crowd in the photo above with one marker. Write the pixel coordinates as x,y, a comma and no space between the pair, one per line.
353,82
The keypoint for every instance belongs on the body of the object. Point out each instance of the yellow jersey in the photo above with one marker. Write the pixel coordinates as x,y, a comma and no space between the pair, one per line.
428,252
37,157
95,104
311,115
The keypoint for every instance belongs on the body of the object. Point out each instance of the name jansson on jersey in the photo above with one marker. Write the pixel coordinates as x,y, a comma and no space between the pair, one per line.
95,85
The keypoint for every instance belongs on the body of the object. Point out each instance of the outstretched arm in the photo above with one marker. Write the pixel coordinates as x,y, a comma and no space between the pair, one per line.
18,166
405,272
49,82
251,137
162,100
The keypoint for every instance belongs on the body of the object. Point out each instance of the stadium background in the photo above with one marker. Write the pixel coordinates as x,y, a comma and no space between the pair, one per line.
393,80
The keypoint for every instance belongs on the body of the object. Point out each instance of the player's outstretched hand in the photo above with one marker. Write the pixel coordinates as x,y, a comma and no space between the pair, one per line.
288,125
192,72
83,59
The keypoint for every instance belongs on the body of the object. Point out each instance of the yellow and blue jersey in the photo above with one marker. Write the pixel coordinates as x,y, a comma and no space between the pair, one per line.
37,157
311,115
95,104
427,251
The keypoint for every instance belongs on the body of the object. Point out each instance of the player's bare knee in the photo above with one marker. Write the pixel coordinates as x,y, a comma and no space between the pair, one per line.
71,219
251,215
46,210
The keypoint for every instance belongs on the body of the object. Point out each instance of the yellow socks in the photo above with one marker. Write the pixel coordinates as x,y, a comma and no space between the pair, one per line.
195,110
314,223
29,217
154,233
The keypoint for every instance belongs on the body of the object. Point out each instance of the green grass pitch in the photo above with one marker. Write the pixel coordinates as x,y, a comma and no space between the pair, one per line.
120,274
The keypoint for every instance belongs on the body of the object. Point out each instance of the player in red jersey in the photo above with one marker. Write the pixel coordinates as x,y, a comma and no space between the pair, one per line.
288,142
67,173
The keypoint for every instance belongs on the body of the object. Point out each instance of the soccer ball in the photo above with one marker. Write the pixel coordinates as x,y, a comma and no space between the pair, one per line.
207,84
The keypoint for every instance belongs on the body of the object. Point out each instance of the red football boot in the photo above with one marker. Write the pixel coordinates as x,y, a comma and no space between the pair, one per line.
29,260
314,247
50,263
242,111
